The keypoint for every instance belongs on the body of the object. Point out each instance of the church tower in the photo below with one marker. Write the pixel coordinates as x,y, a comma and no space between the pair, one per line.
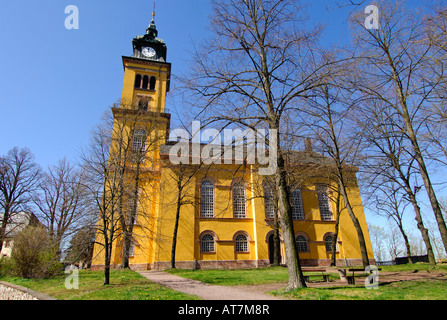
141,126
146,72
146,83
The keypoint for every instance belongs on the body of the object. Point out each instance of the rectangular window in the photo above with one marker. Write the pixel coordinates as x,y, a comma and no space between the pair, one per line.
239,201
297,205
207,200
324,202
268,202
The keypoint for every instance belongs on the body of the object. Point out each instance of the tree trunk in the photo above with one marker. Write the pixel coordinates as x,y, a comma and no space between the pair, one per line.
337,223
422,229
128,225
355,221
296,279
177,218
276,237
407,243
276,245
418,154
107,258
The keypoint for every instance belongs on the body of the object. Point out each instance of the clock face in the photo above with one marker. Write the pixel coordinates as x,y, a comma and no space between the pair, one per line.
148,52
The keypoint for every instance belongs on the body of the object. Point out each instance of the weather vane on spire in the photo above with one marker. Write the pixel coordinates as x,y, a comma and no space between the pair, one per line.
153,14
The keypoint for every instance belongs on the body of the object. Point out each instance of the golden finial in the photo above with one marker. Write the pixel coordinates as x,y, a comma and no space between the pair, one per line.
153,14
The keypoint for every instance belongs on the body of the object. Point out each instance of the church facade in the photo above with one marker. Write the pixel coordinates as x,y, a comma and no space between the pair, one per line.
224,214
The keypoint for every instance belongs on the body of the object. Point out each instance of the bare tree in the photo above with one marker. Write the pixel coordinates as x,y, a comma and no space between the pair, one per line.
19,179
391,204
260,62
396,68
102,169
387,160
328,120
62,201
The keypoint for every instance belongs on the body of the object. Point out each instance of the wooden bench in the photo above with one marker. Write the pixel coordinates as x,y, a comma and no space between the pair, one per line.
322,272
351,278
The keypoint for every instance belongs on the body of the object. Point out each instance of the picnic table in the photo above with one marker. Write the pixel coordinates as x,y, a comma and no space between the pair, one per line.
322,272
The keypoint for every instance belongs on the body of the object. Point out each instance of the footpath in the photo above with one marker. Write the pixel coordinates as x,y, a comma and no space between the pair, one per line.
204,290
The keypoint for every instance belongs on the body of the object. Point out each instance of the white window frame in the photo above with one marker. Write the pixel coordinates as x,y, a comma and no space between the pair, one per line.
296,200
207,199
239,201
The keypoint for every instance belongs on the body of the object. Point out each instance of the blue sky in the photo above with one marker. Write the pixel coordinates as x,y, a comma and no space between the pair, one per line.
56,83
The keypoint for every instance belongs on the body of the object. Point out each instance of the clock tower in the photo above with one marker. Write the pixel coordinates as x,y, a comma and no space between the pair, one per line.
146,73
149,46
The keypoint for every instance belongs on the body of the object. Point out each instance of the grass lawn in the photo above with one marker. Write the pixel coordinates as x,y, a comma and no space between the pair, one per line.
408,290
235,277
125,285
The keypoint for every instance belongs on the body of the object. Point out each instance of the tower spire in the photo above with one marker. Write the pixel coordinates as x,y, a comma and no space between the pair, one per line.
153,15
152,30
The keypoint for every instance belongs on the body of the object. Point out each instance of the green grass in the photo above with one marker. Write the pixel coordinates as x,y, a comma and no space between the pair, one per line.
235,277
124,285
409,290
129,285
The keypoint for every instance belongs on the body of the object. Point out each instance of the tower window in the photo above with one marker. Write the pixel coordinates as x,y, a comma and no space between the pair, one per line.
143,104
138,81
145,82
152,83
139,140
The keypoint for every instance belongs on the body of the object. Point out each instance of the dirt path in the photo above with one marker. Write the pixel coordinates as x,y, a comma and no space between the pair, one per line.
203,290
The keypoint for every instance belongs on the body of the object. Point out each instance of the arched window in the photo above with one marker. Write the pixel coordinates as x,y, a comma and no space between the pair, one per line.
301,244
138,81
297,205
152,83
268,202
239,209
145,82
207,243
328,243
207,199
241,243
139,140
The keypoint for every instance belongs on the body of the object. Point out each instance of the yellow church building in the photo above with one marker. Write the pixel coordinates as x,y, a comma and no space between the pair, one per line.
226,217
